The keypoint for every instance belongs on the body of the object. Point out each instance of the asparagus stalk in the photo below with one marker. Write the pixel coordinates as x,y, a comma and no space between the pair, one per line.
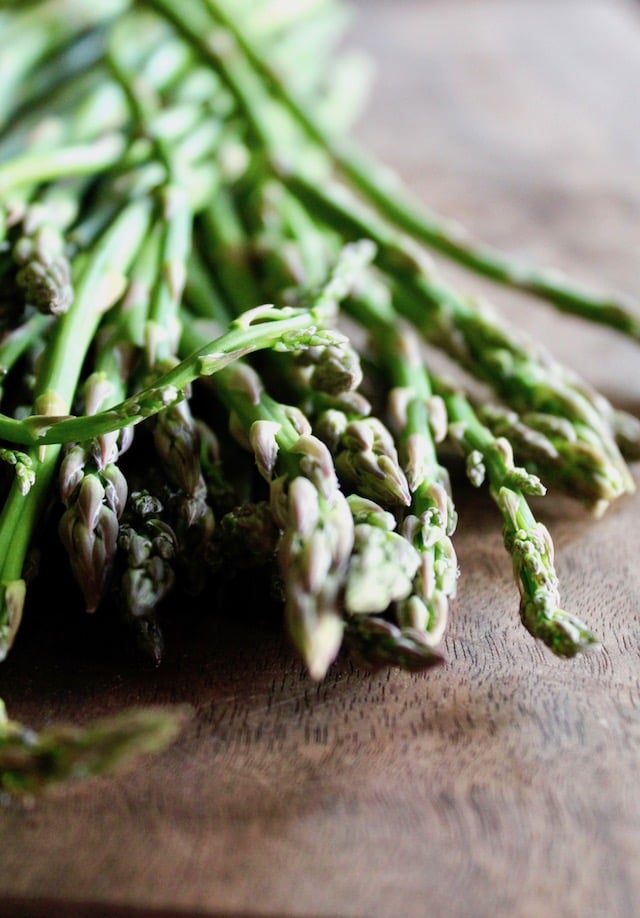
33,763
256,329
564,454
309,508
527,540
421,421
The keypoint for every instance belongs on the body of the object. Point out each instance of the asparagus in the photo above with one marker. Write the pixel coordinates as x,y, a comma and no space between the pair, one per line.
523,374
527,540
44,272
194,117
384,190
477,326
564,454
145,570
33,763
305,497
421,420
309,508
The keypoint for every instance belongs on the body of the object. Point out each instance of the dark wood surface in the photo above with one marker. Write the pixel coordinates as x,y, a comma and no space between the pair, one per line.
506,782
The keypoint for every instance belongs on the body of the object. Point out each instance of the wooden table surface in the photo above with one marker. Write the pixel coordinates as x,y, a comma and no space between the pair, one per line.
507,782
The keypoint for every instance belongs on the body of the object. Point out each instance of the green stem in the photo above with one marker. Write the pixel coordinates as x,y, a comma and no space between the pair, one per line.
273,328
74,159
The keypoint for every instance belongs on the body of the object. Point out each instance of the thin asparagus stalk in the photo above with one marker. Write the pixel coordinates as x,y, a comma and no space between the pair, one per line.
92,487
564,454
256,329
527,540
228,254
174,431
147,549
94,499
75,159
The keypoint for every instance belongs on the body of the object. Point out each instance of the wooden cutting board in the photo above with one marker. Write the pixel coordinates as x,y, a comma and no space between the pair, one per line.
504,783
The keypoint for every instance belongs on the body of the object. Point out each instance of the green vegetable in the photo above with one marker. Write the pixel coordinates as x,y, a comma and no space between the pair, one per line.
216,323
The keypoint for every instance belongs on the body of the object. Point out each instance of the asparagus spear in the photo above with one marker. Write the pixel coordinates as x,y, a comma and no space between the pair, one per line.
33,763
421,421
309,508
527,540
564,454
145,570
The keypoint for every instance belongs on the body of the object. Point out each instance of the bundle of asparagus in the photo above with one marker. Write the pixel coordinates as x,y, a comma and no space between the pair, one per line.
186,234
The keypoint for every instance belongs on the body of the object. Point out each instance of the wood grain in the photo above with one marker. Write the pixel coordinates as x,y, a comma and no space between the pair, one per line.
505,783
